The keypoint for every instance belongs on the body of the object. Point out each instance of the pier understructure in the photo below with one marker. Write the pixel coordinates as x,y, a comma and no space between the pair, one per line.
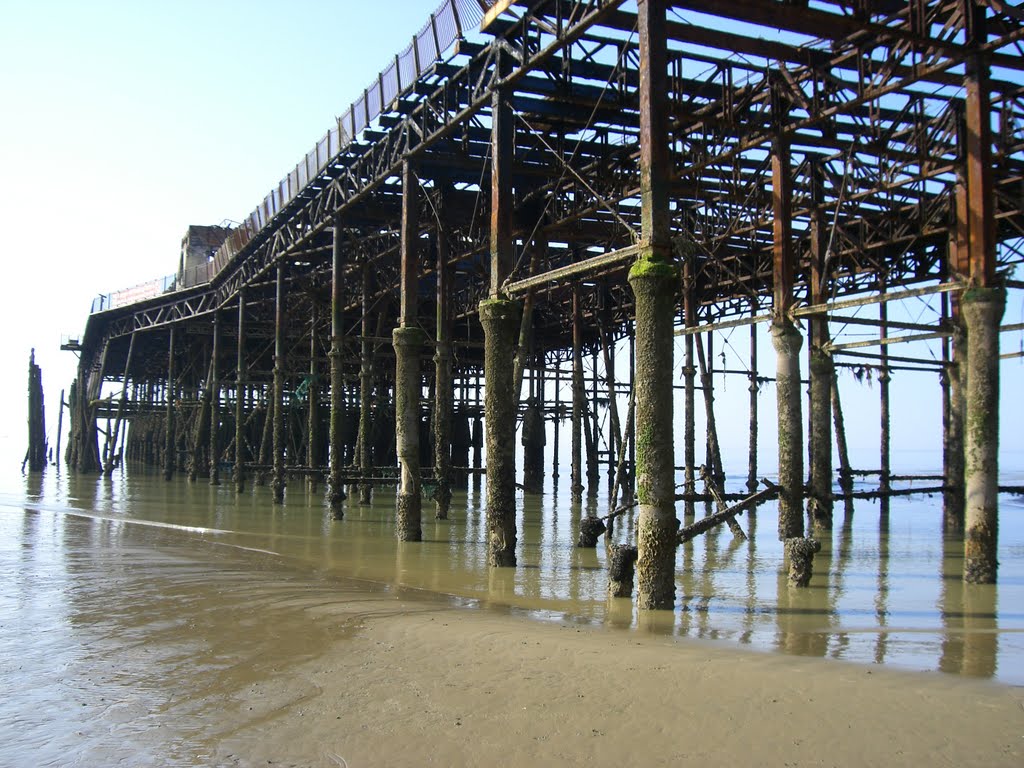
506,237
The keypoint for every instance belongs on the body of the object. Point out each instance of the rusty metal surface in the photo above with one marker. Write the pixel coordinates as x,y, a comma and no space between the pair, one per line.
885,140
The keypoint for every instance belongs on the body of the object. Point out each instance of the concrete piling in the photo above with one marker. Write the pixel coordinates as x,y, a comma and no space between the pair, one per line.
982,312
787,341
408,345
500,319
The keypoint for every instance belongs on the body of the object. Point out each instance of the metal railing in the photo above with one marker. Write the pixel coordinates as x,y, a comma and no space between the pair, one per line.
141,292
444,27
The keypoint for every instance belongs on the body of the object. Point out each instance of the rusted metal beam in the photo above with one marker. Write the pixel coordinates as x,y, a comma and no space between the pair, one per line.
782,229
909,293
502,155
575,269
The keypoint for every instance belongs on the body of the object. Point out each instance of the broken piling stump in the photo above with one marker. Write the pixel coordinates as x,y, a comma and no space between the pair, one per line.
591,529
800,554
621,562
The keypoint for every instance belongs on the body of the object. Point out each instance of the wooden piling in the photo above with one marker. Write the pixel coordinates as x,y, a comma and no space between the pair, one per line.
108,467
576,466
241,382
313,410
214,423
444,392
408,342
169,443
36,455
277,483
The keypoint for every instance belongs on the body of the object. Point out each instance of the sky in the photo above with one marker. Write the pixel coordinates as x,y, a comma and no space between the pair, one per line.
121,123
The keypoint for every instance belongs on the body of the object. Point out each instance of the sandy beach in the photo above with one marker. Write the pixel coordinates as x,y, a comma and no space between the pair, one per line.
409,684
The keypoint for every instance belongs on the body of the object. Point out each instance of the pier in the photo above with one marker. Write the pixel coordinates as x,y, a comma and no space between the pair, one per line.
499,242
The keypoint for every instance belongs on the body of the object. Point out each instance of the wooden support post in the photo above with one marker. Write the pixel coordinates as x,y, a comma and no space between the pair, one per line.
615,440
714,471
620,470
60,429
277,483
953,380
365,450
36,455
845,473
241,379
71,457
87,454
534,436
821,369
523,350
215,402
169,421
593,429
108,467
653,279
444,392
200,428
408,342
787,341
690,387
752,387
313,410
885,436
477,436
631,430
266,437
558,420
576,481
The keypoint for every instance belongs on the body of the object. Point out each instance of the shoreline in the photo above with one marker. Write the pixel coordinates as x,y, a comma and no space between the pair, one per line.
407,683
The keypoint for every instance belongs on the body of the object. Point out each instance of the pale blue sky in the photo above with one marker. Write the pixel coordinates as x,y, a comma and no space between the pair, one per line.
124,122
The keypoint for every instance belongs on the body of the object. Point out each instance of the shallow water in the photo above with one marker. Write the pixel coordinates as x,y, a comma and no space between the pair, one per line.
128,601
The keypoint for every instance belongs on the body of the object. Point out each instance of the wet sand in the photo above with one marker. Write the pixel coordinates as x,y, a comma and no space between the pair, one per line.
413,685
162,625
